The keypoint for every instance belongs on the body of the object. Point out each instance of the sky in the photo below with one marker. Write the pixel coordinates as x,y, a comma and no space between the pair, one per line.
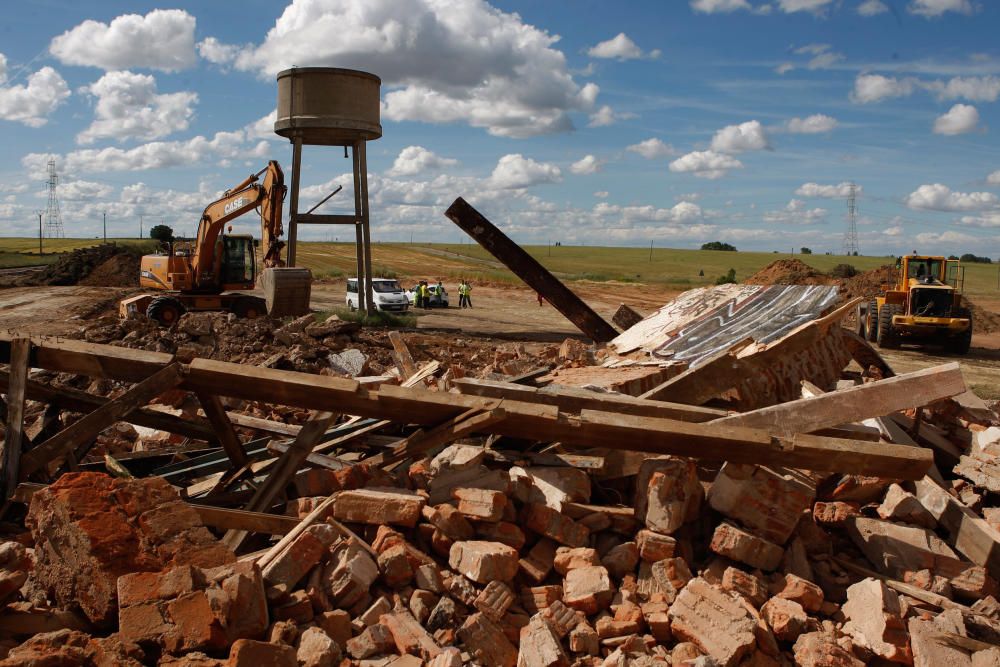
573,121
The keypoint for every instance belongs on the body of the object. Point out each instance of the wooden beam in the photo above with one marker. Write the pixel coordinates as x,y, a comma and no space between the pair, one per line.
64,442
91,359
528,269
14,432
743,445
216,414
264,425
697,385
75,400
406,365
574,399
971,536
288,464
872,399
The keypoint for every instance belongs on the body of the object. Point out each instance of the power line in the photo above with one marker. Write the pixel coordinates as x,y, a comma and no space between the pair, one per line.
53,220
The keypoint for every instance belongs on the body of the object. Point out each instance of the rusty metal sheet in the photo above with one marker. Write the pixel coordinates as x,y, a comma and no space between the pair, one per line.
704,321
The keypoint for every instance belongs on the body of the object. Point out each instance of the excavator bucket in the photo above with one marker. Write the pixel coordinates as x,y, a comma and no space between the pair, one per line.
286,290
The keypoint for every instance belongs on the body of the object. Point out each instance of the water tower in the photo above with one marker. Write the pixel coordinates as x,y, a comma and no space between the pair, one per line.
329,106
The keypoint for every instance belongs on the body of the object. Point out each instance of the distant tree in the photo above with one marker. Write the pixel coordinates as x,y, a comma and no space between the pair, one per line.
973,259
952,256
805,251
161,233
730,277
701,273
718,245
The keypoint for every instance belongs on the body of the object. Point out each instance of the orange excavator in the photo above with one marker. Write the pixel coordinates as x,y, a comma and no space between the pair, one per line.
203,274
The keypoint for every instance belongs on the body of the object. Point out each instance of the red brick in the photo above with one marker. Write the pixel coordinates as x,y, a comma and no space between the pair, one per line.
317,649
668,493
494,600
733,542
716,621
483,562
787,619
806,593
655,546
485,641
501,531
375,640
449,521
480,504
550,523
537,598
768,501
875,620
588,589
834,513
537,563
409,636
250,653
539,646
378,506
621,559
569,559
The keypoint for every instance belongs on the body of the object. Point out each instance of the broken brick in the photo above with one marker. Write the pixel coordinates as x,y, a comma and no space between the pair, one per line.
483,562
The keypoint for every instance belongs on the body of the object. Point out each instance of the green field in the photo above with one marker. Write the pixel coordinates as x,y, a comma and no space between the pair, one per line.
16,252
675,268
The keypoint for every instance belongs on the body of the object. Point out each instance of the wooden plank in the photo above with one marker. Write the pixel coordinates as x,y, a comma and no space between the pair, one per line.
865,355
423,441
528,269
61,444
407,367
314,459
743,445
929,597
264,425
971,536
20,351
697,385
288,464
574,399
873,399
216,414
91,359
75,400
927,434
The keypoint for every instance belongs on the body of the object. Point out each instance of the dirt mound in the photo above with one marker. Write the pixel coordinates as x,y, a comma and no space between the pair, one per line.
983,321
121,270
789,272
868,284
76,267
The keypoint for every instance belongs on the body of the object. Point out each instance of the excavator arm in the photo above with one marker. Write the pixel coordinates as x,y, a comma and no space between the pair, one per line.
252,193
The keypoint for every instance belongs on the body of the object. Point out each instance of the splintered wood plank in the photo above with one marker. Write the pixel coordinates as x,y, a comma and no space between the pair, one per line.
224,430
288,464
858,403
91,359
407,367
971,536
264,425
20,351
61,444
423,441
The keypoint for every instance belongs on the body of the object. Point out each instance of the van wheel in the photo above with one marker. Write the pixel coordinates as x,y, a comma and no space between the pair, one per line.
351,306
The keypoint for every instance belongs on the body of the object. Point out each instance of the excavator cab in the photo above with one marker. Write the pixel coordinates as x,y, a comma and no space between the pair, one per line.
239,265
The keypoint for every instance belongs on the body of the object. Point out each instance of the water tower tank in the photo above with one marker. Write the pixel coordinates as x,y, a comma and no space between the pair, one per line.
328,106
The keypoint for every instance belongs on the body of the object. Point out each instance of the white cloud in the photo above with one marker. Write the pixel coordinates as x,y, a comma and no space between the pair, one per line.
652,149
3,69
684,212
817,7
687,196
163,39
748,136
607,116
620,47
784,68
795,213
938,197
822,56
602,194
875,88
973,88
994,178
815,124
872,8
839,191
951,238
263,127
719,6
984,220
80,190
414,160
216,52
932,8
32,102
516,171
128,107
154,155
441,62
705,164
960,119
588,164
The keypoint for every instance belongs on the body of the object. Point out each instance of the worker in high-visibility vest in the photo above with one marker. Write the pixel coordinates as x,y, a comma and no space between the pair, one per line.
425,294
463,292
468,295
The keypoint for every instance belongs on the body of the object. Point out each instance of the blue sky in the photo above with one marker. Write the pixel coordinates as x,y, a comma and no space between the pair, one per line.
579,121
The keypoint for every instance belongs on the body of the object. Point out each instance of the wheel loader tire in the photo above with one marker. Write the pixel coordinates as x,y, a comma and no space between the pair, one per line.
249,307
871,321
887,336
166,310
960,344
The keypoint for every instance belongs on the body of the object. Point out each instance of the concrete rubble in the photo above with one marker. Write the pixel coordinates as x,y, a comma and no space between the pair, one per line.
443,540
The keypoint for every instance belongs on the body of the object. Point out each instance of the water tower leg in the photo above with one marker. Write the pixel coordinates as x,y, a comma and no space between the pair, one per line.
365,230
363,293
293,204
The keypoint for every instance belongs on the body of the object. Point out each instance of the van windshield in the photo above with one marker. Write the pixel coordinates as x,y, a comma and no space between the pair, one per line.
384,286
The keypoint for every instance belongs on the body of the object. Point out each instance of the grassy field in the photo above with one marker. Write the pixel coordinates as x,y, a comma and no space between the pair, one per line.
450,262
16,252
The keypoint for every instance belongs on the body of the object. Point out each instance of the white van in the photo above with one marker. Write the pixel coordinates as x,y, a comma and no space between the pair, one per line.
387,293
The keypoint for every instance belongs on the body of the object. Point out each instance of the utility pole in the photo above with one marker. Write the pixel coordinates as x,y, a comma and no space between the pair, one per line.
40,253
105,226
851,237
140,227
651,250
